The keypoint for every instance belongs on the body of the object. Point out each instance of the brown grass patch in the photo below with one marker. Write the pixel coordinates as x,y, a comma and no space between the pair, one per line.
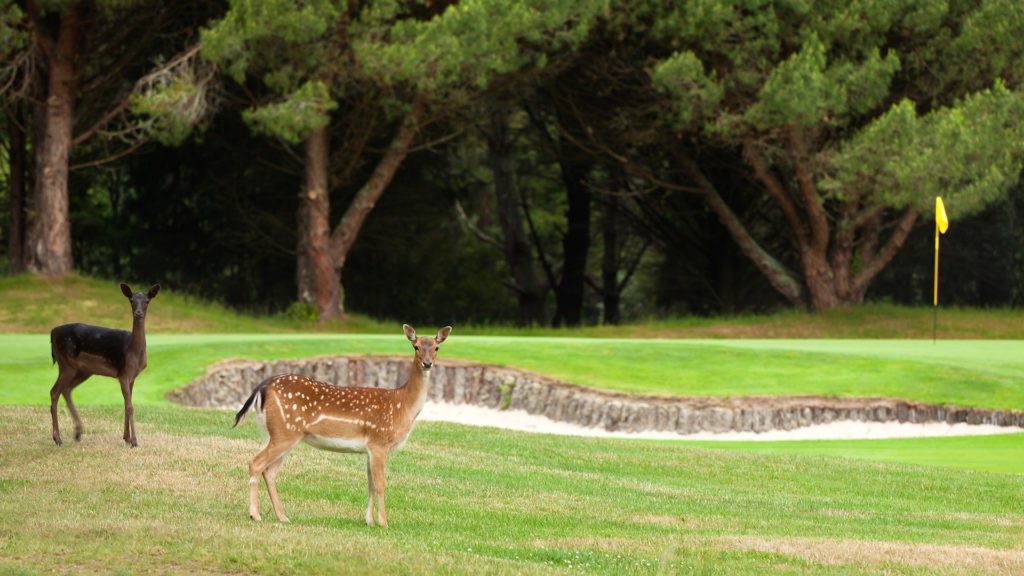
953,559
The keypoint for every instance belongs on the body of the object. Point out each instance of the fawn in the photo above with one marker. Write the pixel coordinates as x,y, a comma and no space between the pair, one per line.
81,350
295,408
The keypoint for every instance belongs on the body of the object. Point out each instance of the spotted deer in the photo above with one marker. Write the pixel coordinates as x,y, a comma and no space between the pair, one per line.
293,409
82,350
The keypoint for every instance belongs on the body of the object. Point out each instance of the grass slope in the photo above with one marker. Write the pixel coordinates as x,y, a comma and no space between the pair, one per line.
465,500
33,304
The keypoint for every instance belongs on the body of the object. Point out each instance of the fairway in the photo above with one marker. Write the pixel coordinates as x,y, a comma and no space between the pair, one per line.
975,373
987,374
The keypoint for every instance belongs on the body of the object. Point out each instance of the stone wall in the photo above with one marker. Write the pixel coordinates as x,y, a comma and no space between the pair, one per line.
227,384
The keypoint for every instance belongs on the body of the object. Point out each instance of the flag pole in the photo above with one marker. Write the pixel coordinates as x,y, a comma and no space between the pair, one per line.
935,291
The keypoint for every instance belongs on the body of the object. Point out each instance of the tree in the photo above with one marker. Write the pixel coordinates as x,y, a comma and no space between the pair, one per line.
72,62
850,117
321,62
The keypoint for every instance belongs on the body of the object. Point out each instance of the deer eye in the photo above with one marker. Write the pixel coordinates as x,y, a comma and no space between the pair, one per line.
415,347
436,348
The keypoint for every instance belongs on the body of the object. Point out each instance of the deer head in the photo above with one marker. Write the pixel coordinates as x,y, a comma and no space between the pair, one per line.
426,347
140,301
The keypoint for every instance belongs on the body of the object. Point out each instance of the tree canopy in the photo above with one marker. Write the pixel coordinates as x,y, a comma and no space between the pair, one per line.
508,160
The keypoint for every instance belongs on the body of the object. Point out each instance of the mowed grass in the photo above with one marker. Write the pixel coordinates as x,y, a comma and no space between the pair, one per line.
997,453
987,374
469,501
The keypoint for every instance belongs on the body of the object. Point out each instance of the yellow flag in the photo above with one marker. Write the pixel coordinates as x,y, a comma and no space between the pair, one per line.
940,215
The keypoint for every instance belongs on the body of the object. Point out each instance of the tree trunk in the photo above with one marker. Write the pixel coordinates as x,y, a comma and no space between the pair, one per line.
319,283
530,291
575,244
345,233
610,261
820,284
16,198
49,249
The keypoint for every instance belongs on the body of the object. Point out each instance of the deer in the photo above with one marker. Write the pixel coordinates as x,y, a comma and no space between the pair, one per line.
83,350
375,421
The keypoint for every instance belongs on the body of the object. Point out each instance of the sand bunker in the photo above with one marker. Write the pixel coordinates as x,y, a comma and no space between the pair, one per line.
840,430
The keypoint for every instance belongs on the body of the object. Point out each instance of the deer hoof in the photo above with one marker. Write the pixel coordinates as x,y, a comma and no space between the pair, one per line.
57,441
284,519
78,436
255,517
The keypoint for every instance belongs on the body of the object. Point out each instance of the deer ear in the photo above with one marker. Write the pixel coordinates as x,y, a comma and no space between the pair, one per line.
409,332
443,333
153,291
126,290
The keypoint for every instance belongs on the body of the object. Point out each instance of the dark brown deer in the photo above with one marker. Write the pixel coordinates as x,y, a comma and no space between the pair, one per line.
81,350
374,421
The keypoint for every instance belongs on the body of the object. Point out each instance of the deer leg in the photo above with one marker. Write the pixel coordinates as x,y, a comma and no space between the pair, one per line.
54,398
129,414
378,460
270,477
78,379
272,452
369,487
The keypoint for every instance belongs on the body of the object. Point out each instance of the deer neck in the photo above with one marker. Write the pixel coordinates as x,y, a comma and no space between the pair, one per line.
137,346
414,392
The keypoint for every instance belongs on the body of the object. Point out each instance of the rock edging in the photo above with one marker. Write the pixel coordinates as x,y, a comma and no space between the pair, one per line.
228,383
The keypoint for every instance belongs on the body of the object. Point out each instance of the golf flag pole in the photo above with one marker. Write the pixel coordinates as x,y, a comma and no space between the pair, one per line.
941,225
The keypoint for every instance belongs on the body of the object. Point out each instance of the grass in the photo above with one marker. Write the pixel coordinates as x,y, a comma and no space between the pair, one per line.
987,374
29,304
465,500
472,500
37,304
997,453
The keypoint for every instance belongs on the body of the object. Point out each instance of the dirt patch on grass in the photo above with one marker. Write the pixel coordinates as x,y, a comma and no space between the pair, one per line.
954,559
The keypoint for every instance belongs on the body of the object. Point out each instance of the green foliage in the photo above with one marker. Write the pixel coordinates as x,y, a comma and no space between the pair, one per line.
290,47
13,36
300,113
260,35
969,153
174,109
302,311
695,93
470,43
797,91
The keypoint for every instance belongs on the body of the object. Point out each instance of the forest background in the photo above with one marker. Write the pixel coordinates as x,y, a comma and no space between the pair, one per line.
517,162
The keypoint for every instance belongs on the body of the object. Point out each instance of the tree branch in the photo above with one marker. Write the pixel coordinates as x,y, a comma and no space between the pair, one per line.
467,225
117,156
805,181
544,264
781,278
776,191
633,267
888,251
345,233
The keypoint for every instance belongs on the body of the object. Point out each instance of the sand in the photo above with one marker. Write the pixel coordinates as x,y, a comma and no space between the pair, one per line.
839,430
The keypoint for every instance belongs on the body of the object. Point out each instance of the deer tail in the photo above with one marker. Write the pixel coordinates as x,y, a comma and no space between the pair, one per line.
261,391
